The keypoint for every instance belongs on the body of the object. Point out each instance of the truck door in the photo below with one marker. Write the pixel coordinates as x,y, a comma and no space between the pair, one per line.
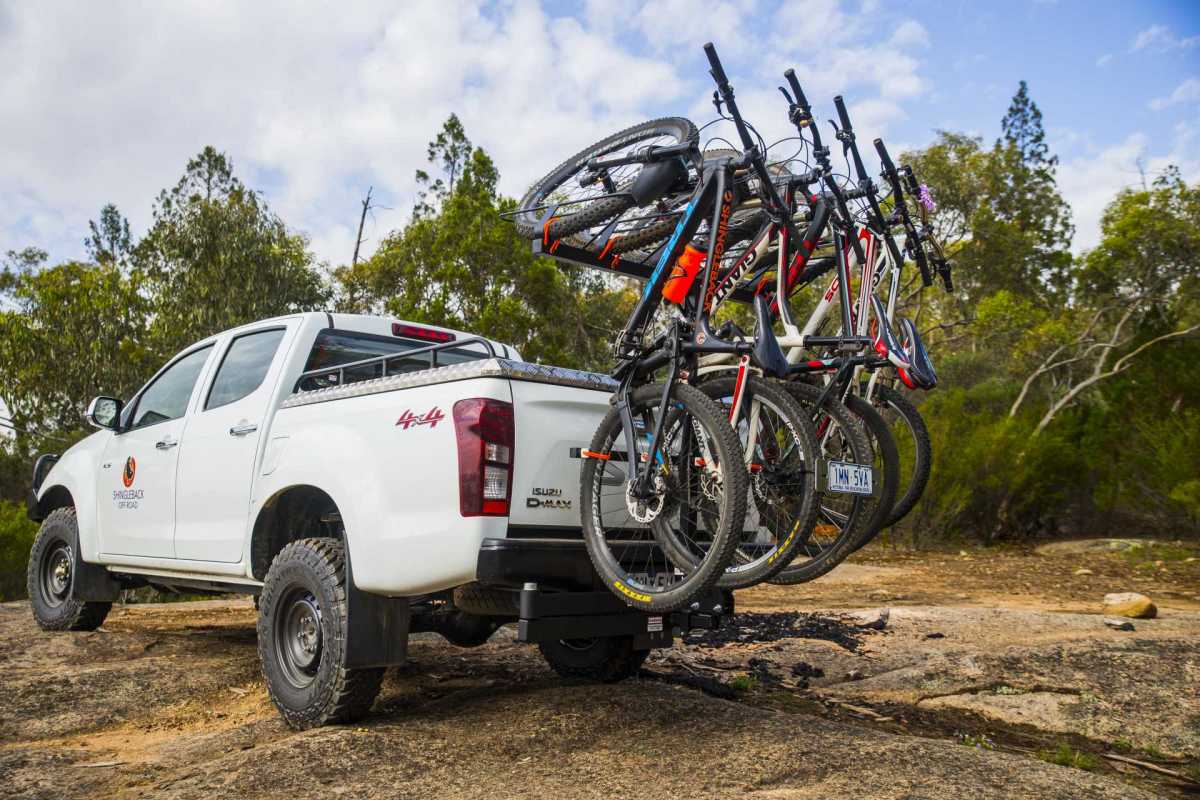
137,474
216,460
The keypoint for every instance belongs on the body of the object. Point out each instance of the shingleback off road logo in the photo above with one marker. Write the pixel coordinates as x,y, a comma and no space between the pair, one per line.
129,472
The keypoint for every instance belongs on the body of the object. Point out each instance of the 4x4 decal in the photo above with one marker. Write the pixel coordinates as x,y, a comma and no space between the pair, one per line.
431,418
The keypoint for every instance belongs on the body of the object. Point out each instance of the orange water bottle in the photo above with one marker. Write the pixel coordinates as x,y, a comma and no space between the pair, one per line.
683,275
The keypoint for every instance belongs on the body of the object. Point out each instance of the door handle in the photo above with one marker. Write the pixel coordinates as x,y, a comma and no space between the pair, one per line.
165,444
243,428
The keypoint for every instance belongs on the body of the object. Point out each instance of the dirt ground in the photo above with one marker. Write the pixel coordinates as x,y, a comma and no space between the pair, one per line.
989,674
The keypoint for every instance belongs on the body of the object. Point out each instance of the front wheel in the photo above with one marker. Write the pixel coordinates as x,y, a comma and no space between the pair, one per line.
694,503
582,204
50,578
302,638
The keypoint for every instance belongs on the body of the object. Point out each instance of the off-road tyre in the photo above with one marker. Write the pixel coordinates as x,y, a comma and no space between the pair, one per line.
323,691
891,402
604,660
49,577
590,214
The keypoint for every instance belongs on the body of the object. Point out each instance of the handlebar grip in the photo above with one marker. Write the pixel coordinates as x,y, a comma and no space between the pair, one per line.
842,115
797,92
718,72
922,264
884,158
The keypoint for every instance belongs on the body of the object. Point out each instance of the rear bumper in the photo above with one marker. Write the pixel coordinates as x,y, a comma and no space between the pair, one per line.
561,563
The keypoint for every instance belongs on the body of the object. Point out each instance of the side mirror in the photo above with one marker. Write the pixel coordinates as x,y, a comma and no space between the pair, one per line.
104,412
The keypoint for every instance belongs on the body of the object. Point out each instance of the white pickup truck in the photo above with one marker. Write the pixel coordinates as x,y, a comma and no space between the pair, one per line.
364,478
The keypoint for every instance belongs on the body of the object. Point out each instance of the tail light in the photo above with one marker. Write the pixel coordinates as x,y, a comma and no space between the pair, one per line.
484,430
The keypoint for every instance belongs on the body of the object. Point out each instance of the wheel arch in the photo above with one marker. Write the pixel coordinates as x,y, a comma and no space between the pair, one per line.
55,497
294,512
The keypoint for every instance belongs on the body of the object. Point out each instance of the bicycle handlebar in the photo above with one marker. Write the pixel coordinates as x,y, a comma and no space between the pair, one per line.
648,156
846,135
916,247
766,186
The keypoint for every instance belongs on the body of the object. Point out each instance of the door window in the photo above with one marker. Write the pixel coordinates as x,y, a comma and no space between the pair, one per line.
244,367
167,397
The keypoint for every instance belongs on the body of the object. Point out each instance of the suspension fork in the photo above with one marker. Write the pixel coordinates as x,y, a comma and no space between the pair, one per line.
643,470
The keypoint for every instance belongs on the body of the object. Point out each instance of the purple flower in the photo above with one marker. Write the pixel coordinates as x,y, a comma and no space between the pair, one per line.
925,198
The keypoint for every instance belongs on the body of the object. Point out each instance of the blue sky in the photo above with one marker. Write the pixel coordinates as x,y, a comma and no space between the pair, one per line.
314,103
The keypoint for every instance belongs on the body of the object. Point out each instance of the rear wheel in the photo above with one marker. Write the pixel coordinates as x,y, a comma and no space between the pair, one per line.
50,578
886,464
914,448
302,638
781,509
607,660
842,519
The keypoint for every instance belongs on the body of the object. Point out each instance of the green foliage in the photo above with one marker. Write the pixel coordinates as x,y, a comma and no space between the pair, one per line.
16,539
460,265
743,683
1066,756
71,331
217,257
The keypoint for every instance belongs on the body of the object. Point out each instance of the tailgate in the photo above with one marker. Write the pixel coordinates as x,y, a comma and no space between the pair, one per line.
552,423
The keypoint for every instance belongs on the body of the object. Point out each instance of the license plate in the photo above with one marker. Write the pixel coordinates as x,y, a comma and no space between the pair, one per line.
847,478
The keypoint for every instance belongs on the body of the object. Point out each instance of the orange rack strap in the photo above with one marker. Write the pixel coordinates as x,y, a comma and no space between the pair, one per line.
593,454
546,230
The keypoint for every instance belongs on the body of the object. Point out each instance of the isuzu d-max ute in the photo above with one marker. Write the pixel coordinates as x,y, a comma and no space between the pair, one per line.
364,478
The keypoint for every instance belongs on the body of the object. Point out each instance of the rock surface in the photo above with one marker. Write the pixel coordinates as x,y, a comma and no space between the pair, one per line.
1086,546
166,702
1130,604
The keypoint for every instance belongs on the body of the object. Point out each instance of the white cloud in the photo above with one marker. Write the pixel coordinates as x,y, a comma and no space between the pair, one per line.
1089,183
1185,93
1104,60
314,103
1161,39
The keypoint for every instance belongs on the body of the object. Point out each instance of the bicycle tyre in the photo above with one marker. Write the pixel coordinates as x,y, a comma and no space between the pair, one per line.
604,208
689,403
889,400
816,559
790,526
887,464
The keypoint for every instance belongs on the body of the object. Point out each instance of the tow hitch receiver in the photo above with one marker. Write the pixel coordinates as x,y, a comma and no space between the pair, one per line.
555,615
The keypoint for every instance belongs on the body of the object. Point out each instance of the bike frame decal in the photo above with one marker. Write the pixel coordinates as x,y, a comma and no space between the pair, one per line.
718,248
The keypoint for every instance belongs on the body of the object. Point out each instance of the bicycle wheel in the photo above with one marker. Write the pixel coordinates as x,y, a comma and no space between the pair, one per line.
842,519
780,444
584,207
915,449
886,462
697,503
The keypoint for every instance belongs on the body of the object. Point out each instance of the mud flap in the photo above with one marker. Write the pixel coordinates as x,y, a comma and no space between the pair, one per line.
91,583
376,626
